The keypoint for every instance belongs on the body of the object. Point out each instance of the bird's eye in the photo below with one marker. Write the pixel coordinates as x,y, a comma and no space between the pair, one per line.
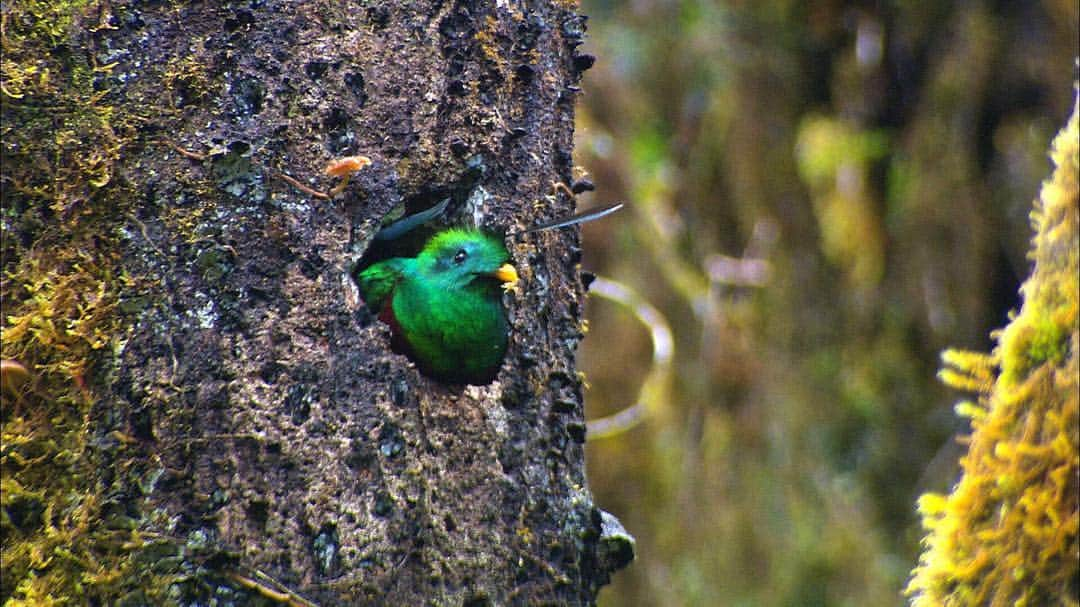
460,256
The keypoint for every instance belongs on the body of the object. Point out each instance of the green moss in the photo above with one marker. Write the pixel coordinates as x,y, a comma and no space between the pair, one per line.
1047,343
1009,533
60,286
68,537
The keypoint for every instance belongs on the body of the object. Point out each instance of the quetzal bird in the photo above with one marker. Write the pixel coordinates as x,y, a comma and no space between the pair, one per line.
444,306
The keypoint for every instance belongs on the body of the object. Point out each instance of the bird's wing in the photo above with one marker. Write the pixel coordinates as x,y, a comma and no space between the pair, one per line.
377,281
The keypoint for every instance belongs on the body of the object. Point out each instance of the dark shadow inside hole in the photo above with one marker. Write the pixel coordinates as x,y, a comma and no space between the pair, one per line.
410,242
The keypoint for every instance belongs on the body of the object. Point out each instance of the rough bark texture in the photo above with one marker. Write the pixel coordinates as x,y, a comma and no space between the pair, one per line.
250,416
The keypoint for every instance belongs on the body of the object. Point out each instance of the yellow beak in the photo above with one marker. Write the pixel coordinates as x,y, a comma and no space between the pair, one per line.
507,274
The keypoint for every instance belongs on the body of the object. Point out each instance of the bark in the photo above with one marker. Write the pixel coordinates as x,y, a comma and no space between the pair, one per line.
249,423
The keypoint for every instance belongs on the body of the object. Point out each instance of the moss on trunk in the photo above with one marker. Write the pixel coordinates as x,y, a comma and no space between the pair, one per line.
198,407
1008,532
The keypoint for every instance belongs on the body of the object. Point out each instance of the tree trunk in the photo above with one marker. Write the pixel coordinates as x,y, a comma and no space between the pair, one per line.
240,425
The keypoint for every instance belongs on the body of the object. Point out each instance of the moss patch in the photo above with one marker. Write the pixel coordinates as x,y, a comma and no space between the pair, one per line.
62,210
1008,532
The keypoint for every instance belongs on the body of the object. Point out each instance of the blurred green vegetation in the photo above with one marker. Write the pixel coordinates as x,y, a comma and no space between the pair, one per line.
881,160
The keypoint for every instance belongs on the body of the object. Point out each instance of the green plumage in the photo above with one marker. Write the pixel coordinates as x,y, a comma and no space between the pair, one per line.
445,305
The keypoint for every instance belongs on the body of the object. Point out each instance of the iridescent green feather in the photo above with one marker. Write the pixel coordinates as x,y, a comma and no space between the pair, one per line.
445,304
377,282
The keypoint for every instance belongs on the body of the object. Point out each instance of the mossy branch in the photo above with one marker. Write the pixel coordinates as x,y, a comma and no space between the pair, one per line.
1008,532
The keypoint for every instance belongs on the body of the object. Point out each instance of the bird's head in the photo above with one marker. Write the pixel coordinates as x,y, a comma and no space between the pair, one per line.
457,257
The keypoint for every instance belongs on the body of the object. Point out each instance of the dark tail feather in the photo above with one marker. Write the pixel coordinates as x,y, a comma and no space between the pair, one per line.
407,224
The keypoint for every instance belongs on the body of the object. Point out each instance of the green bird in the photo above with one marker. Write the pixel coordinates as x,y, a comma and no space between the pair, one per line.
444,305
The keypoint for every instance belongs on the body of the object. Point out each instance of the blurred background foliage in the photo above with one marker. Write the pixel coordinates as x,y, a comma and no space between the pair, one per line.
824,195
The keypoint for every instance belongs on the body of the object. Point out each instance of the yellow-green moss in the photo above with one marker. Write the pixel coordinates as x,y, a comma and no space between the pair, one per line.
60,286
1008,532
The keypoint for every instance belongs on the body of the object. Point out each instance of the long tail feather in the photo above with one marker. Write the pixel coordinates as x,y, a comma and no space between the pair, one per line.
582,217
